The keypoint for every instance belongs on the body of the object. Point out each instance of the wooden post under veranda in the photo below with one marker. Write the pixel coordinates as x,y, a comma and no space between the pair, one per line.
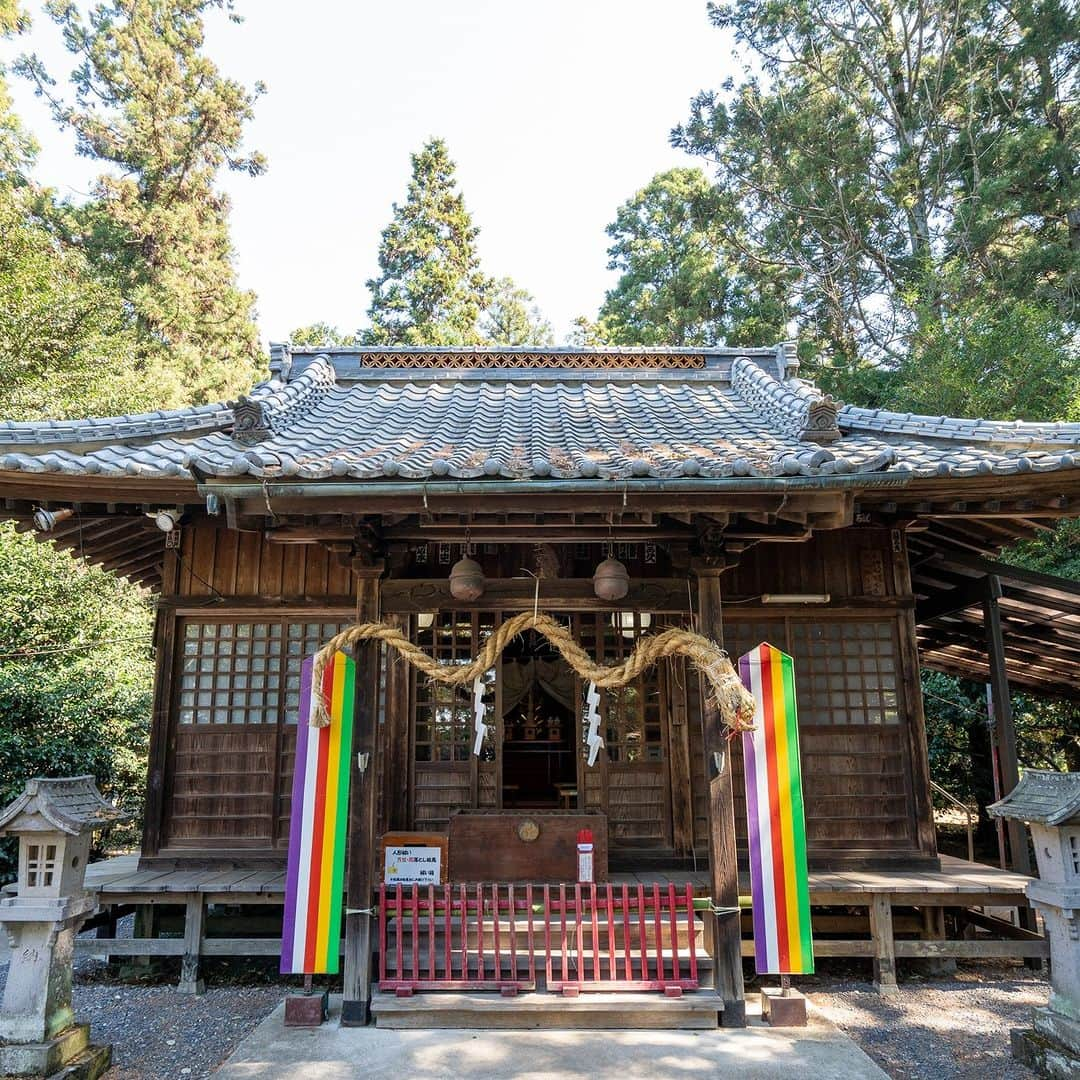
723,861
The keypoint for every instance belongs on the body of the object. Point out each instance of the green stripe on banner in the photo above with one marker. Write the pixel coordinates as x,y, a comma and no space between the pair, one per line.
798,815
341,818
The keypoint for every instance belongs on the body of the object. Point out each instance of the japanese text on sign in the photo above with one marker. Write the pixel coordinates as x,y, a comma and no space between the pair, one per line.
412,866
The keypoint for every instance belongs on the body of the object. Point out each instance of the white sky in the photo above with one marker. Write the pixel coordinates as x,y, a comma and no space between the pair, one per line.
554,111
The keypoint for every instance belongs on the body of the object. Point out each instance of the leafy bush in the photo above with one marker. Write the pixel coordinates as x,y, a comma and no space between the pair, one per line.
75,676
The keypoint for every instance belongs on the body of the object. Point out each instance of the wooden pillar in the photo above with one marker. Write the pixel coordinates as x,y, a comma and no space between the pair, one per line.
723,861
194,913
1006,742
881,931
922,806
933,920
1003,719
161,729
395,743
360,868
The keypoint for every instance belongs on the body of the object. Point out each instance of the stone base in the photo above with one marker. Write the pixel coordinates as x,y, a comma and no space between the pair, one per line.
307,1010
781,1011
1056,1028
1043,1056
45,1058
89,1065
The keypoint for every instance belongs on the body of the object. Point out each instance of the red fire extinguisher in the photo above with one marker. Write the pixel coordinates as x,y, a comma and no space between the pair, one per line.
585,856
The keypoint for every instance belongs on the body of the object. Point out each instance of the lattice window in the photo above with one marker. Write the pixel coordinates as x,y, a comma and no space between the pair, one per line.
245,672
444,714
845,672
40,865
630,715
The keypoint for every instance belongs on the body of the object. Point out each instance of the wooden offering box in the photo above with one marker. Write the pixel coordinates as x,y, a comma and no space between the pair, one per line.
523,845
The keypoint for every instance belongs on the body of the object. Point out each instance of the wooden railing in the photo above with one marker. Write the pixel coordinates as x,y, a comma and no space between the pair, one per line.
970,816
497,937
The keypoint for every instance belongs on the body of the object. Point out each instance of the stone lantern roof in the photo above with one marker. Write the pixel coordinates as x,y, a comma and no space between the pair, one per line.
69,804
1047,798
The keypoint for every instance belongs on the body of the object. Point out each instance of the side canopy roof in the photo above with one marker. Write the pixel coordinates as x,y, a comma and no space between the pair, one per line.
527,415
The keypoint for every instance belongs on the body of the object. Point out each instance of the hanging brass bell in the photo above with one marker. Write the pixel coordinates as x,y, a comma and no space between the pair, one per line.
611,581
467,580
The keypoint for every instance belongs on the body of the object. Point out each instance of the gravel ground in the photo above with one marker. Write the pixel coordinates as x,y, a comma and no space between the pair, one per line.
940,1028
954,1028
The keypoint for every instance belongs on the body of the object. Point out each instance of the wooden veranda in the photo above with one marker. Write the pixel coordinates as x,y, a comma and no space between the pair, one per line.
935,915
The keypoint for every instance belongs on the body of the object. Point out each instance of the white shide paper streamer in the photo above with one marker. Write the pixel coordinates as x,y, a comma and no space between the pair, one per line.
478,715
592,736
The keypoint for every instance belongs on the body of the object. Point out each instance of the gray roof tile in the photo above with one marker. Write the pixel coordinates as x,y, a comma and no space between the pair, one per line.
733,417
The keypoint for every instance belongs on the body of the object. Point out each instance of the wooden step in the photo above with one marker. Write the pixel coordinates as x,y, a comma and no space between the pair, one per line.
699,1010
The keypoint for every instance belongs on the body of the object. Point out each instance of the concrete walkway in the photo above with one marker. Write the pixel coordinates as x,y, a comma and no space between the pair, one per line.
756,1052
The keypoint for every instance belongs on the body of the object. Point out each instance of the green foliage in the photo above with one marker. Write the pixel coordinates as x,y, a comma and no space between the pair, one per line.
901,160
321,333
993,357
512,317
75,674
677,245
958,735
148,104
67,344
430,290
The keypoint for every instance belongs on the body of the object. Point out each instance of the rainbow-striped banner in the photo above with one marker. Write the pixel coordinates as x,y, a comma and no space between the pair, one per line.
775,819
320,810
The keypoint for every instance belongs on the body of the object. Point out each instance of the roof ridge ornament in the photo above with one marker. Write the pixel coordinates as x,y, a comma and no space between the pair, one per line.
821,424
251,421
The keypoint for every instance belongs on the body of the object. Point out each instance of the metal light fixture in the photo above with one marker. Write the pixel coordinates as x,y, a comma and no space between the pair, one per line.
611,581
623,621
467,580
47,520
795,598
167,520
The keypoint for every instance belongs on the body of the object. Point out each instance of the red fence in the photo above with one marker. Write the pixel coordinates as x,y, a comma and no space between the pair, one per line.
496,937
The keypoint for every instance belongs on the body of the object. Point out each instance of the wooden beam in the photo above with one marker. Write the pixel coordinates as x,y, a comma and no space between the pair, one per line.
360,871
514,594
947,603
723,863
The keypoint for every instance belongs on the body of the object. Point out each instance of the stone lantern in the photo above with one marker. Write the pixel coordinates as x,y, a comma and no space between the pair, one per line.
54,821
1050,803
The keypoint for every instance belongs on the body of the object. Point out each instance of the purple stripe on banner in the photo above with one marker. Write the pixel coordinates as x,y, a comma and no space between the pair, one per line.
296,814
752,822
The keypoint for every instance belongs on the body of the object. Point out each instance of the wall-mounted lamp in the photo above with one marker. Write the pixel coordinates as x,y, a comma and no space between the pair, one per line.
47,520
167,520
795,598
425,620
623,621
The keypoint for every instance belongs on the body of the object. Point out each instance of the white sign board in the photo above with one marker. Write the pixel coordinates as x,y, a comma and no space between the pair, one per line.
409,865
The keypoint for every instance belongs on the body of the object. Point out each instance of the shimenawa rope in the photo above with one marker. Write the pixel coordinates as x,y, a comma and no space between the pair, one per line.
734,701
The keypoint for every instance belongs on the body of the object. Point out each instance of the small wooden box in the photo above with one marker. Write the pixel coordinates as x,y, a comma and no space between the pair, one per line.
492,845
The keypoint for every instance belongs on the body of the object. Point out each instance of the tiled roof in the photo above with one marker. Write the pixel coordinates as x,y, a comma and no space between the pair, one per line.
742,413
1050,798
69,803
